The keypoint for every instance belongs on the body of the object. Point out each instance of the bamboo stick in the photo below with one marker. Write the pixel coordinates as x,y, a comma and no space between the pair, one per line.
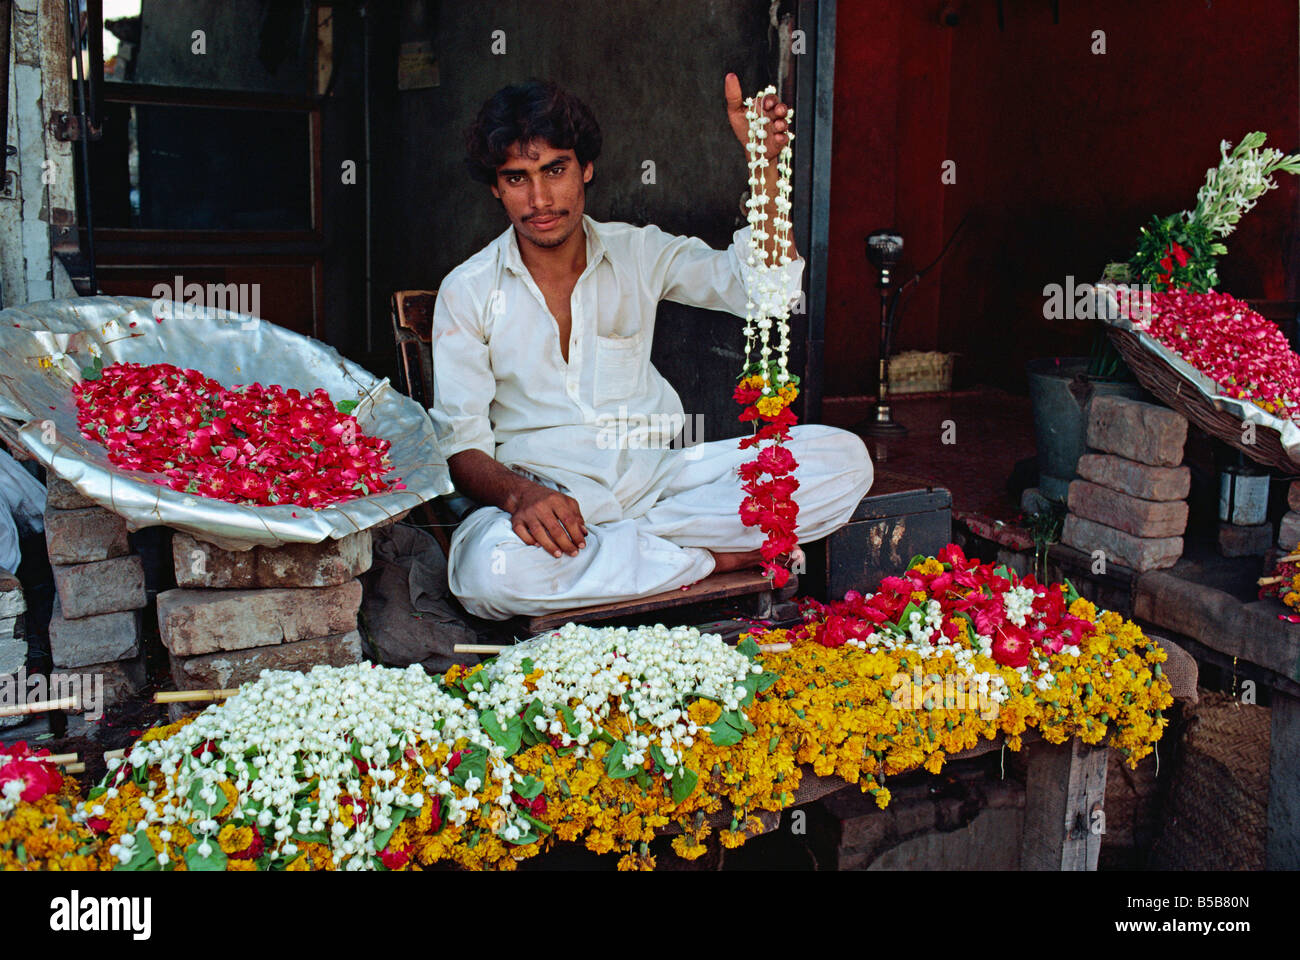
66,703
75,768
60,758
115,755
1289,558
1265,581
190,696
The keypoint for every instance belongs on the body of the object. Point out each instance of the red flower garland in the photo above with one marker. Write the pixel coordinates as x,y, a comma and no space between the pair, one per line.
769,504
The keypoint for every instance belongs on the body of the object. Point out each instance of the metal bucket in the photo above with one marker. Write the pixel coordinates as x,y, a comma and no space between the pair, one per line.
1060,391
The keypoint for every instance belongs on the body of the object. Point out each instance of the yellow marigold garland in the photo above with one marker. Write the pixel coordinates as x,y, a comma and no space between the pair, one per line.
831,709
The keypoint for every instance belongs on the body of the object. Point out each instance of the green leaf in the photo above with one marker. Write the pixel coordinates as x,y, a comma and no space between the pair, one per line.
316,447
658,756
96,792
202,808
530,732
905,618
684,781
143,855
1071,594
642,779
530,787
215,861
723,734
507,737
749,648
474,764
383,836
614,762
916,560
570,721
346,406
526,665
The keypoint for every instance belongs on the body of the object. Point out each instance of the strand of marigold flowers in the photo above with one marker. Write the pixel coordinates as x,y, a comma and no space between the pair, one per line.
767,389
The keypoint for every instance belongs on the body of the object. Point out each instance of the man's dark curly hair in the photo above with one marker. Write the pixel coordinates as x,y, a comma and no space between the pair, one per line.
523,112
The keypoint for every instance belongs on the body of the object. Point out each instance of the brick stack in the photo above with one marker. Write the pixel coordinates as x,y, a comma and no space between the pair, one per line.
237,613
1288,534
95,629
13,649
1131,500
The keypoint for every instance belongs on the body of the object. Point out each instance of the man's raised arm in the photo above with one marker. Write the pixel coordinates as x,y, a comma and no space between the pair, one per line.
686,269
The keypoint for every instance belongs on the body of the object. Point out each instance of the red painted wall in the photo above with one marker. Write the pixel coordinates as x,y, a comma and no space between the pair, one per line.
1061,155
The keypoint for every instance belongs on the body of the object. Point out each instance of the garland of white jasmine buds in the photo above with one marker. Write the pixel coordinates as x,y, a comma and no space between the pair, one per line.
769,294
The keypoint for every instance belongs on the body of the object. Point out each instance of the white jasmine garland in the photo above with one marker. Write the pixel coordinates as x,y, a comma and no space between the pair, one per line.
768,287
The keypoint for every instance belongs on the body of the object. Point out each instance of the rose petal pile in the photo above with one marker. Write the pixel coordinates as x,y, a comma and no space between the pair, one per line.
252,445
1245,354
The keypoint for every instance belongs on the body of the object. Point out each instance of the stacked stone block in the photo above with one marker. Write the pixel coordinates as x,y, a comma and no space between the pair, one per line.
13,649
99,586
1131,498
237,613
1288,534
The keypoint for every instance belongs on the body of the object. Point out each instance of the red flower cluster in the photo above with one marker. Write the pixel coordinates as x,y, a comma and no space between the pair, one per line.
1245,354
250,444
1175,252
20,764
769,503
970,593
394,859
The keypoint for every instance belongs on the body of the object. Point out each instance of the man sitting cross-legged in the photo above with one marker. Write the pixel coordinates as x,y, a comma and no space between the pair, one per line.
543,338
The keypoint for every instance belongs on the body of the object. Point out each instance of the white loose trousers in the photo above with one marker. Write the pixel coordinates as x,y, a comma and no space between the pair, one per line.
496,575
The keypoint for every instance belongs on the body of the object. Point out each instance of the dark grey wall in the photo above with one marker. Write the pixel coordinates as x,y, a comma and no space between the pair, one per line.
652,72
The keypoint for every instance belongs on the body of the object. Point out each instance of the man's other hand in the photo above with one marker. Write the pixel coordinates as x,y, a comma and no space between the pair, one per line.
546,518
773,107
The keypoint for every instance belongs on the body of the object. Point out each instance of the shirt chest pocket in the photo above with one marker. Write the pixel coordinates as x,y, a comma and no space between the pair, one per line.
620,367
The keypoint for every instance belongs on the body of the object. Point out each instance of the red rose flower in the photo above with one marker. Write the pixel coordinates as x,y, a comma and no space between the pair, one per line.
394,859
1011,646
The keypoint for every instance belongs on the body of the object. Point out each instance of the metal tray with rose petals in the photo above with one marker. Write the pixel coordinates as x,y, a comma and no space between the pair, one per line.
44,346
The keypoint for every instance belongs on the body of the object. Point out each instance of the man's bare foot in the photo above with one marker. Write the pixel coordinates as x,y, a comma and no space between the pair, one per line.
726,562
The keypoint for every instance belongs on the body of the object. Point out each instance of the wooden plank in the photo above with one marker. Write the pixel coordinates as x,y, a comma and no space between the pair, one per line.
1283,851
1065,787
718,586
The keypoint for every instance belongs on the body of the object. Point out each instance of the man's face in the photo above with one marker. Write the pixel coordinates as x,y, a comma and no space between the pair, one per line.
544,194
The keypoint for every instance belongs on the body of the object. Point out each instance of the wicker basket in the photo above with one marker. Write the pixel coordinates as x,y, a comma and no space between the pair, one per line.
1181,394
918,371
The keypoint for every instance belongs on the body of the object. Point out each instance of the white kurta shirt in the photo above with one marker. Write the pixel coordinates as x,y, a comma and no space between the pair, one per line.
601,424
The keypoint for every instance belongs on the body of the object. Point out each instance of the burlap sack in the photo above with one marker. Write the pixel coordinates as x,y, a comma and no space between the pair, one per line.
407,613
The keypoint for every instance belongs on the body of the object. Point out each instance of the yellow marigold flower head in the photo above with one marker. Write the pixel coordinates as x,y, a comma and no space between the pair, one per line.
1084,609
770,406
